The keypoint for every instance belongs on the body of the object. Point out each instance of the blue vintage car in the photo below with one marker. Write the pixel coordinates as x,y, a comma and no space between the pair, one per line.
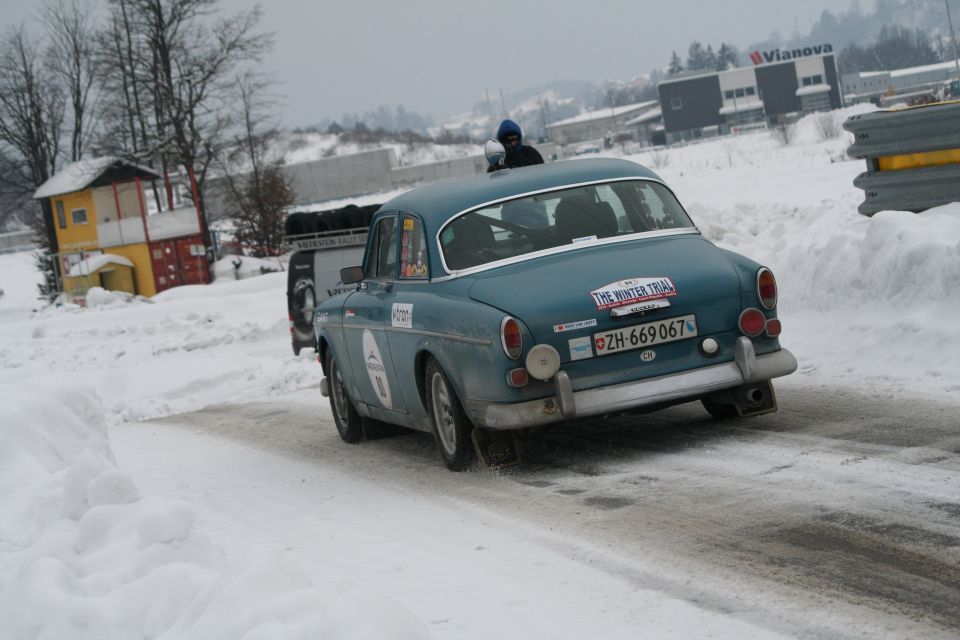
542,294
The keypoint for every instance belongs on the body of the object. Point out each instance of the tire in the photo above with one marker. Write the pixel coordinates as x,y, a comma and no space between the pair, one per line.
719,410
348,421
451,427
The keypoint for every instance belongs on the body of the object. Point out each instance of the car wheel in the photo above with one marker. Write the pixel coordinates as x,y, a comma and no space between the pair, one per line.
451,427
348,421
309,305
720,410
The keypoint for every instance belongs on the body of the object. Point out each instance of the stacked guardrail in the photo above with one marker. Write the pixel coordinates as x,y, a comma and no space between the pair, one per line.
913,157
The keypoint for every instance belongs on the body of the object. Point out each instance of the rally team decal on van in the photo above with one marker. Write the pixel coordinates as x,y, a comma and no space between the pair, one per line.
376,369
633,290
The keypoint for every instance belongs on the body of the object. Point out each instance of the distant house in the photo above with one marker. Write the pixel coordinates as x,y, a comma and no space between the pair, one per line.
123,227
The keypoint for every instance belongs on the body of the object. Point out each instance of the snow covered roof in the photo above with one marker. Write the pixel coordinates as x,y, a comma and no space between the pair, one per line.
813,89
604,113
895,73
93,263
82,173
649,116
742,105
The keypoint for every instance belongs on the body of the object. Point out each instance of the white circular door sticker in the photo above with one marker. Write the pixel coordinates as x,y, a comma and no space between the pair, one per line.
376,369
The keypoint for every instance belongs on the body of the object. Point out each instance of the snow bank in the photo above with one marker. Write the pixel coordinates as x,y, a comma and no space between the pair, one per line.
85,556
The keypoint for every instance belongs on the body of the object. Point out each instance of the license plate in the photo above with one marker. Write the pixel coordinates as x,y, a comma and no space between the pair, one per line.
645,335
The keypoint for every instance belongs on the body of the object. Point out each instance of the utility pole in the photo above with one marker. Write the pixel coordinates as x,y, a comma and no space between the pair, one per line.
953,37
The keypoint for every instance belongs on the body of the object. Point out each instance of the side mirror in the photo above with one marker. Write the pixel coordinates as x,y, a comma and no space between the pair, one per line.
351,275
495,153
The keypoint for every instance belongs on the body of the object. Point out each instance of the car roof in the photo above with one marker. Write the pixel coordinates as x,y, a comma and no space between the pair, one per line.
438,201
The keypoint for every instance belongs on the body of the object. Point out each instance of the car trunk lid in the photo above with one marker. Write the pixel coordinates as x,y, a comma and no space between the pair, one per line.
579,293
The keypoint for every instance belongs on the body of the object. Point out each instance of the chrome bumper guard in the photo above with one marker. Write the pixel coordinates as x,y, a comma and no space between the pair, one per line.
568,404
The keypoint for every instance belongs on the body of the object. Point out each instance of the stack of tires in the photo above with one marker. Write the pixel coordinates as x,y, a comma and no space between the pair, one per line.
912,155
349,217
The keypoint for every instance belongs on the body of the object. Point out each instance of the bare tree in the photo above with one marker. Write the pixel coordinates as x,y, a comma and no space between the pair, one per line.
828,125
193,58
70,58
784,133
31,112
257,199
31,116
124,107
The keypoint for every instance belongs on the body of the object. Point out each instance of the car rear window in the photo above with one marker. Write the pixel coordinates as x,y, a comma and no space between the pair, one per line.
557,218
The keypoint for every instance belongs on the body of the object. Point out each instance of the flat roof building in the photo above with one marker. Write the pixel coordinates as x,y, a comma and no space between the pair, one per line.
864,86
595,125
713,103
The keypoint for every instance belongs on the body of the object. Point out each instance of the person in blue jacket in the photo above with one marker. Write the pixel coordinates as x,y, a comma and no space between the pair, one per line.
518,154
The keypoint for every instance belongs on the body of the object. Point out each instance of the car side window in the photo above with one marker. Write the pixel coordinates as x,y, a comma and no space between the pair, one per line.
382,259
413,250
387,249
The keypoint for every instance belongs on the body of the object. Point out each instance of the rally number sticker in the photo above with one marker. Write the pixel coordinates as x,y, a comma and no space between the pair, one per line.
376,369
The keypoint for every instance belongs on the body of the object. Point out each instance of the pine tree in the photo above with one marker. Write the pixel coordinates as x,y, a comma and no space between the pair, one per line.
727,57
675,66
696,56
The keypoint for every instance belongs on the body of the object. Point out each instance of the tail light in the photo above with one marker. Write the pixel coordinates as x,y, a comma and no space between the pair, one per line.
773,328
510,338
517,378
766,288
752,322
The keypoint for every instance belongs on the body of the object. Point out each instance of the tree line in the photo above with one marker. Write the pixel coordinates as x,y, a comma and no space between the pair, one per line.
705,58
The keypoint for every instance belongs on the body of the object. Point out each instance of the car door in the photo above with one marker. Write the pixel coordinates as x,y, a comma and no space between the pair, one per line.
366,314
406,298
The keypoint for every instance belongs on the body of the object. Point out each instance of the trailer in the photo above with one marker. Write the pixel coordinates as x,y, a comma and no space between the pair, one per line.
322,242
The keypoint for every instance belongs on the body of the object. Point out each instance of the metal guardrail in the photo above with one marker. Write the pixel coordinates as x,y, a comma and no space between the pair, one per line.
14,241
912,156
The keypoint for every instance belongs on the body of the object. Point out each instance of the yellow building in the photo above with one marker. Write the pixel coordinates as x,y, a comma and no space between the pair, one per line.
123,227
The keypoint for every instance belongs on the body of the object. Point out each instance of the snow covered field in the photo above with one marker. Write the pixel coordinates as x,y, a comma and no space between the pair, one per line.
869,304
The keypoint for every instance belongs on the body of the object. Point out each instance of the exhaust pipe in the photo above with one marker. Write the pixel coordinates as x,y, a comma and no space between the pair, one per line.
754,395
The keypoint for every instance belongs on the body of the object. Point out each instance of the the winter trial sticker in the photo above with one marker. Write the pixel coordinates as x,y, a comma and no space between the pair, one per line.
376,369
402,315
633,290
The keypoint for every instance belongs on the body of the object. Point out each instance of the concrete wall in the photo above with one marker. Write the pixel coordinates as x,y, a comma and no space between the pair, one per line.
362,173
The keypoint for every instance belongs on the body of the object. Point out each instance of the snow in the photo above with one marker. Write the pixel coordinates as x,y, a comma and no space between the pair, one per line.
77,175
97,545
813,89
742,105
89,265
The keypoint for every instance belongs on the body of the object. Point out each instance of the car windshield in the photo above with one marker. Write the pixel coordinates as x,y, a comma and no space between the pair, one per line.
546,220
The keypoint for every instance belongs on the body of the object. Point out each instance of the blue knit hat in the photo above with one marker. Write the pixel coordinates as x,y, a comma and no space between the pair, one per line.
509,127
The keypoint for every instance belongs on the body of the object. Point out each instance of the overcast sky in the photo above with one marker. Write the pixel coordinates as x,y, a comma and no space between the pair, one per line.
438,56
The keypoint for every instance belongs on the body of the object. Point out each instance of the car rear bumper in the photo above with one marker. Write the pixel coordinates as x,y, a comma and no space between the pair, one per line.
567,404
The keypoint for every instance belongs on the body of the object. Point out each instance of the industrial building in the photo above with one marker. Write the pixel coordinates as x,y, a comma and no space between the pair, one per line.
864,86
697,104
597,125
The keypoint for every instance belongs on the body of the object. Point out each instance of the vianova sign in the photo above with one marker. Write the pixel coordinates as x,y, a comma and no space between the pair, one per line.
778,55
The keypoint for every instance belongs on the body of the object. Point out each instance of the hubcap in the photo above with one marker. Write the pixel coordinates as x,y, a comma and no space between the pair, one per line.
339,393
443,414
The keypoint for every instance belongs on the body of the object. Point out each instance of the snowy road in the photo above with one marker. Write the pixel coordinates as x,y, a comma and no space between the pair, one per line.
837,517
